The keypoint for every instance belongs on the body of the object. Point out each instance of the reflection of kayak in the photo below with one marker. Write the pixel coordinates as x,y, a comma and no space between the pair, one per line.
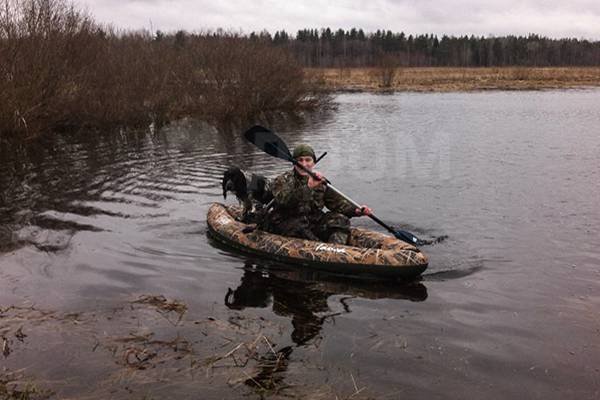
369,252
304,295
302,285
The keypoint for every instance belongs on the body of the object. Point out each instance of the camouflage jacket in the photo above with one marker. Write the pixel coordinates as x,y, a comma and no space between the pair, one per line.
295,198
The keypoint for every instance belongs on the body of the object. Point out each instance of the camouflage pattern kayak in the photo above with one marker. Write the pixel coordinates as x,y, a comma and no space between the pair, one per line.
368,252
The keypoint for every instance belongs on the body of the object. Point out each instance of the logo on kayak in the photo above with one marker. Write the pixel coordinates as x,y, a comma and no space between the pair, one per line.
223,220
324,247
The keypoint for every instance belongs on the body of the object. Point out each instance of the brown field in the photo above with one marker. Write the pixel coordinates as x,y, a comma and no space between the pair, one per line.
440,79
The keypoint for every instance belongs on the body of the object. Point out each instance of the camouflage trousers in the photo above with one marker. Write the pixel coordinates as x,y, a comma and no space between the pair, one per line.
328,227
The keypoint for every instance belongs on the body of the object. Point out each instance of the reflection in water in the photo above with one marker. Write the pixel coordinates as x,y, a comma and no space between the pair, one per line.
62,185
302,295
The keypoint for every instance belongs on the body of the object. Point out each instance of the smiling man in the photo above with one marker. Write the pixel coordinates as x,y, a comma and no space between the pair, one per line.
300,202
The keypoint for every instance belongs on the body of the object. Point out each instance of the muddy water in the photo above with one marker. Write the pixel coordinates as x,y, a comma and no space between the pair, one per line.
509,306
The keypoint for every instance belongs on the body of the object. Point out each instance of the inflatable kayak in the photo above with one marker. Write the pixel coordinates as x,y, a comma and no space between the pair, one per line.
369,252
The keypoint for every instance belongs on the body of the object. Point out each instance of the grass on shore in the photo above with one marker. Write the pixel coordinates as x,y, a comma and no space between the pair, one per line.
442,79
155,347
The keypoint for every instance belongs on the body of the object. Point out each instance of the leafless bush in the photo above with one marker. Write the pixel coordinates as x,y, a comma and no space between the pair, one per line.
61,70
386,70
42,53
132,82
238,79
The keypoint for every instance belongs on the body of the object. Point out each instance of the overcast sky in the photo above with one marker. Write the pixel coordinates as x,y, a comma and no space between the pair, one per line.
574,18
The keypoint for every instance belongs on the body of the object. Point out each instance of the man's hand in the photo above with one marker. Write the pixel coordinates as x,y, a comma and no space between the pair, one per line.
363,210
314,183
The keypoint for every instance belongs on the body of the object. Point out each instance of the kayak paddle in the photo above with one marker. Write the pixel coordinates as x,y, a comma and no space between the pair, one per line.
273,145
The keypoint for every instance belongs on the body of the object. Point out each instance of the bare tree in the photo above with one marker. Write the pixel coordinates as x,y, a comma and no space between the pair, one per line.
386,70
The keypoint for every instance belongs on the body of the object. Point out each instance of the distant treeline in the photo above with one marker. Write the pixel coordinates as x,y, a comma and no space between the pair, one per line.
355,48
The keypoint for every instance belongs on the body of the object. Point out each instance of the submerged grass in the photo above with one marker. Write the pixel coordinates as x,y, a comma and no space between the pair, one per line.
60,70
13,386
131,351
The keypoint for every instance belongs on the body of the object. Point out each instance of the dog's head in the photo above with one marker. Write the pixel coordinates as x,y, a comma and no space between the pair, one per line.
234,181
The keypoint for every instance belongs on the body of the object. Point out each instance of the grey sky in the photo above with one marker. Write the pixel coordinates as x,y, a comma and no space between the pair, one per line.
575,18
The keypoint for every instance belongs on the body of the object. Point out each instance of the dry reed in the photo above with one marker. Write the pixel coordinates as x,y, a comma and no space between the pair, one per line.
443,79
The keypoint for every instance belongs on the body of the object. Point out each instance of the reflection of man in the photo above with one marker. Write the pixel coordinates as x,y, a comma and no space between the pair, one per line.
300,201
301,304
296,296
290,299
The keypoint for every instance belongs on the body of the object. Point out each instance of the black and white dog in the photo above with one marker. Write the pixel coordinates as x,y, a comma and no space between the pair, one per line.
253,191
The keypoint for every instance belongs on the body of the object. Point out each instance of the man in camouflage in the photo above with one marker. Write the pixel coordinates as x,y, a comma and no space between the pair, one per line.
300,201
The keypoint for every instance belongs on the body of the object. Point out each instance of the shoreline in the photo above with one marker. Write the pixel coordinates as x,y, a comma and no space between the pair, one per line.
450,79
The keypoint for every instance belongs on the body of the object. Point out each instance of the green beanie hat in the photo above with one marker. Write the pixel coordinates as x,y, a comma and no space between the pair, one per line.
304,150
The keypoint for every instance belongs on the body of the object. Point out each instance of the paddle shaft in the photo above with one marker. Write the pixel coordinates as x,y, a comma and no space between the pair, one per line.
340,193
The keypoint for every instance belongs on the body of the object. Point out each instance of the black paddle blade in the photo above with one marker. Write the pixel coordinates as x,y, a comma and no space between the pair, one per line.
408,237
268,142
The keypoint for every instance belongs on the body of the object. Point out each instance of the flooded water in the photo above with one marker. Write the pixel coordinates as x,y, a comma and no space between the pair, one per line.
509,306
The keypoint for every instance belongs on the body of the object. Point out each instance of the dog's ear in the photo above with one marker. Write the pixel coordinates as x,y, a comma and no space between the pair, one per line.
224,182
229,187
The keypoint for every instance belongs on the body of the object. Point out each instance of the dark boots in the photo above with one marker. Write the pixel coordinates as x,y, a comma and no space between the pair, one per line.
334,228
338,237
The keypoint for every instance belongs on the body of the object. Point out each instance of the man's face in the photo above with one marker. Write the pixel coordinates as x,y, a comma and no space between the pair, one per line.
305,161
